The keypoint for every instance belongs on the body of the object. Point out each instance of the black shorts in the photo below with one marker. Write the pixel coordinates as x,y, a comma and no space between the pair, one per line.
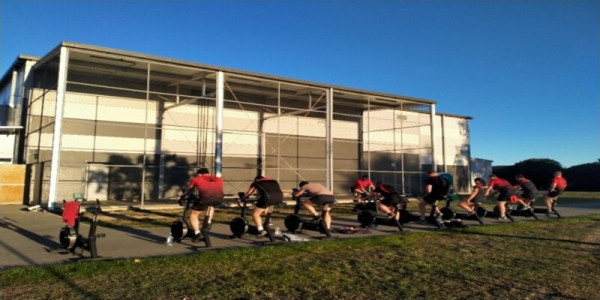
199,205
431,198
554,193
262,202
504,196
528,196
391,200
323,199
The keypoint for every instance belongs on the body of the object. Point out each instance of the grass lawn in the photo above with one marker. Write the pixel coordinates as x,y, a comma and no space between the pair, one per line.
549,259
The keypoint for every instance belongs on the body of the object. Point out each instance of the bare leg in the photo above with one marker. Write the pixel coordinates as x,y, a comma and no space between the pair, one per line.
466,205
308,205
256,216
549,201
194,222
327,216
422,207
502,208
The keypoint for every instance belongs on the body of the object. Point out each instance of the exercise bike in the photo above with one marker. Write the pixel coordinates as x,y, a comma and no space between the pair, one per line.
295,223
370,215
545,210
520,211
448,213
69,236
239,225
180,229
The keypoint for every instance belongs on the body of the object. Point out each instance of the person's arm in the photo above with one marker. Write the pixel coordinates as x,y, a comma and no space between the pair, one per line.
299,191
552,186
487,191
250,191
473,194
428,189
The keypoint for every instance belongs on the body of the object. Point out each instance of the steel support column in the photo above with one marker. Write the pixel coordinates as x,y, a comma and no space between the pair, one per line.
220,94
433,143
61,88
329,136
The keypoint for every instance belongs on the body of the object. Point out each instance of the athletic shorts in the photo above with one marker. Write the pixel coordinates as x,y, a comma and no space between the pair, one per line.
262,203
528,196
391,200
554,193
198,205
323,199
504,195
431,198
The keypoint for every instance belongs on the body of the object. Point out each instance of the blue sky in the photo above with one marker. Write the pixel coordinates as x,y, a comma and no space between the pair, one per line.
526,71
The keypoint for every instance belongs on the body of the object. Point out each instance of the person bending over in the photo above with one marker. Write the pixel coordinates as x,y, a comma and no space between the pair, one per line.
269,193
505,192
389,200
436,188
478,194
319,195
558,185
210,192
528,191
362,188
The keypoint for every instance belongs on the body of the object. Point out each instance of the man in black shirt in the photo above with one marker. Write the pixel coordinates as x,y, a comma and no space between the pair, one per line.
436,188
269,194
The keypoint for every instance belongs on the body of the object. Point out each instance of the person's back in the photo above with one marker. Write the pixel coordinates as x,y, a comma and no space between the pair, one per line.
314,188
209,187
269,189
439,186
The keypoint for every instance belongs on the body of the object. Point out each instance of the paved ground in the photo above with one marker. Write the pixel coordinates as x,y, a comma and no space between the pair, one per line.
27,236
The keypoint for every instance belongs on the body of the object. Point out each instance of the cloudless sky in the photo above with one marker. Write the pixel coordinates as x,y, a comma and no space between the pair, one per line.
526,71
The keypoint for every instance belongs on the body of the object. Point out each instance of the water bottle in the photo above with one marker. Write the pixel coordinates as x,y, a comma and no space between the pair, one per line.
169,240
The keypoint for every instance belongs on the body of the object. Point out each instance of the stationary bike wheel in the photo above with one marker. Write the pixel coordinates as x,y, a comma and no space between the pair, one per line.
67,237
366,218
238,226
405,216
481,212
179,230
447,213
293,223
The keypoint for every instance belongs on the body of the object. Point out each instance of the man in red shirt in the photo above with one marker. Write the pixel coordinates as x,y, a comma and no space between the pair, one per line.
362,187
558,185
505,190
210,192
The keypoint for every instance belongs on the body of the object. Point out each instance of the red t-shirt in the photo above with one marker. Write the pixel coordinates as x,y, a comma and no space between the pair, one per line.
362,183
559,183
499,184
210,188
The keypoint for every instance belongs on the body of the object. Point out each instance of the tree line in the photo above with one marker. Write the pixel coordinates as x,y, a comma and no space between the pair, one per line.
584,177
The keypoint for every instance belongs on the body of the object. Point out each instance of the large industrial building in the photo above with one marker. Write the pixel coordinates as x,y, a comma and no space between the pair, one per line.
118,125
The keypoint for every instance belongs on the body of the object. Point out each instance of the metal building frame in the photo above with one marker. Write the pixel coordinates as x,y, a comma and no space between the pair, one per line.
169,84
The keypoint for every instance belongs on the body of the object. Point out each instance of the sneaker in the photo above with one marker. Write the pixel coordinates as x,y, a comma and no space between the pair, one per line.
421,221
316,218
502,218
198,237
526,207
262,233
209,226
